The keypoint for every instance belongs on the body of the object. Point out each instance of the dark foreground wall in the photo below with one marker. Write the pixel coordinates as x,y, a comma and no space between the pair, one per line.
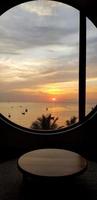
81,138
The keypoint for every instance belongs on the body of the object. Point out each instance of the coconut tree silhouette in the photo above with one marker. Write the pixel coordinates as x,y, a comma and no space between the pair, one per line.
71,121
46,122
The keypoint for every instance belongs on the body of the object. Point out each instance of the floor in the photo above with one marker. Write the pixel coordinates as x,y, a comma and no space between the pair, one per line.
13,187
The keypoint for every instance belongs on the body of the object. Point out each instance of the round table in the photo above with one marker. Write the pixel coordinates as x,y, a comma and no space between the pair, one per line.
52,163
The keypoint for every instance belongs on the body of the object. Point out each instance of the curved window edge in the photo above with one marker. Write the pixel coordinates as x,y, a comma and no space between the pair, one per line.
50,132
83,118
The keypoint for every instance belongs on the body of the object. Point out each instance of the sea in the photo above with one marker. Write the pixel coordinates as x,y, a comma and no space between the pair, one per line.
25,113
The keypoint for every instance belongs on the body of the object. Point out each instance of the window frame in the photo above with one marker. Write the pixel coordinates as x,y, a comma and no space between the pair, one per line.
82,66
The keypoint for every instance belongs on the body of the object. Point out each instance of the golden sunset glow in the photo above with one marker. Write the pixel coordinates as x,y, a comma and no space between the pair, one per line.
62,90
59,88
53,99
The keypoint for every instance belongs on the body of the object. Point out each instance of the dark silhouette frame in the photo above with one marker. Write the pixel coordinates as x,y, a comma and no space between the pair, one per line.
82,52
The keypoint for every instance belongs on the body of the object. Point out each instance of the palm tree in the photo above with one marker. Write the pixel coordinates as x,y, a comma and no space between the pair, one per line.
47,122
71,121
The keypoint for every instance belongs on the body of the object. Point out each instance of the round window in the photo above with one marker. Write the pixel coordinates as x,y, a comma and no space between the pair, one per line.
39,65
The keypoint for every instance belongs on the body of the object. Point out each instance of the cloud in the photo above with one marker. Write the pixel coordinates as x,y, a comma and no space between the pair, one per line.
39,46
16,34
91,44
41,8
45,71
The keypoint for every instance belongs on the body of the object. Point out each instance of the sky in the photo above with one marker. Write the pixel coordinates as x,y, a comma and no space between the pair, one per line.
39,53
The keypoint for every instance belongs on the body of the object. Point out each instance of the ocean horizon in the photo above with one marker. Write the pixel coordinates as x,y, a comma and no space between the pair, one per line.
25,113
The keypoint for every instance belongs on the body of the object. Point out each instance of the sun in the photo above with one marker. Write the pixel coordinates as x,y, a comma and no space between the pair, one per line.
53,99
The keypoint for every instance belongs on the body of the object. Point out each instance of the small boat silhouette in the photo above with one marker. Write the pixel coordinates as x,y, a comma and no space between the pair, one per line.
23,113
9,115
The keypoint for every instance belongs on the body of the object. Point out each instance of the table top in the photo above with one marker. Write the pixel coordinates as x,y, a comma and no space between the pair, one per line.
52,163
